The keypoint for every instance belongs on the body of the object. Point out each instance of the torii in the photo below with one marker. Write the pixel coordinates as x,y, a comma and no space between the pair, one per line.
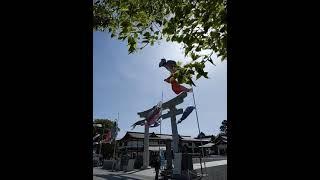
173,112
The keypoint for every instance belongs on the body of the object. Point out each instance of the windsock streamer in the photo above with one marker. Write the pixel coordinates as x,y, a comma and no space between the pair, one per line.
106,138
176,87
155,114
140,123
156,124
170,65
186,113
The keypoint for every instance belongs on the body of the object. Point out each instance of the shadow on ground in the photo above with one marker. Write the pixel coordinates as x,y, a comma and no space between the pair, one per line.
131,172
115,176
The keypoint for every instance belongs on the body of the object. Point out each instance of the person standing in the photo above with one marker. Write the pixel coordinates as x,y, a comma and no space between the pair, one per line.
157,166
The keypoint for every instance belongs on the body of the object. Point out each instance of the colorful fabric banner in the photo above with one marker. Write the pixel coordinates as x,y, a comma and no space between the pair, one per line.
176,87
154,114
156,124
186,113
169,65
141,123
106,138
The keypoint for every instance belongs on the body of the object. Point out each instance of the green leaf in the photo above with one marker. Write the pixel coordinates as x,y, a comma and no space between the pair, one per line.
147,34
131,49
190,71
205,74
152,42
130,40
198,76
124,9
173,38
159,22
194,56
136,19
190,82
179,39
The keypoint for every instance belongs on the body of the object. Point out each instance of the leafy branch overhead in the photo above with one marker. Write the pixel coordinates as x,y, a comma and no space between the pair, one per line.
199,25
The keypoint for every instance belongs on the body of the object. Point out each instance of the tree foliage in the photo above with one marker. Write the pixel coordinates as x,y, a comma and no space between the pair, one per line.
107,149
224,127
106,125
199,25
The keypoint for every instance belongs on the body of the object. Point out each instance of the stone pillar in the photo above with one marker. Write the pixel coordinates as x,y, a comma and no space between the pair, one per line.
175,136
168,154
175,145
146,147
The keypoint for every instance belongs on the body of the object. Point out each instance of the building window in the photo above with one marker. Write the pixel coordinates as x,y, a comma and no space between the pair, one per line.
189,144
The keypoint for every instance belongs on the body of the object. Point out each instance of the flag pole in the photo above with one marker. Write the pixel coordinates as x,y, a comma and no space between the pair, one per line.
101,142
194,102
160,124
115,142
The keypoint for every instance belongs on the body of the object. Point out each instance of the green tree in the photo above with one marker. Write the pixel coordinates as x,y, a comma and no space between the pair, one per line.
199,25
106,124
107,149
224,127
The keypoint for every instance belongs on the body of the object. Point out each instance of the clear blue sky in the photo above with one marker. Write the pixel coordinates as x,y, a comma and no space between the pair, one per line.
133,83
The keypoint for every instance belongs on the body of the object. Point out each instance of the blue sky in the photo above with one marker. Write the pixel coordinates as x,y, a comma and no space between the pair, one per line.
133,83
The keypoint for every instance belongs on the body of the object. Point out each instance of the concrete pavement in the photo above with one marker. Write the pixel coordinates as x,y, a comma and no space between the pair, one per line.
101,174
217,170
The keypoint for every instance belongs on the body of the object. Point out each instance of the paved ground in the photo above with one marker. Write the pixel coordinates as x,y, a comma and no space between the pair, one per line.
210,164
101,174
213,168
216,170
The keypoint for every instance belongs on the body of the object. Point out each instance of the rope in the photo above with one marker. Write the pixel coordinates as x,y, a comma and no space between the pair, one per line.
194,102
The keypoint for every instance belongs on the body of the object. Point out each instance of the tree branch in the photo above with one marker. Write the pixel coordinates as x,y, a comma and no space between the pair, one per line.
144,46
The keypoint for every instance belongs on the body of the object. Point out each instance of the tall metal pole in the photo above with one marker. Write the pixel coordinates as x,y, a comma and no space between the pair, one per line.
194,102
160,121
115,142
101,141
160,160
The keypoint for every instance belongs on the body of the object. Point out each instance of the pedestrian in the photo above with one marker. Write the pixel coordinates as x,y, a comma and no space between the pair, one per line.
157,166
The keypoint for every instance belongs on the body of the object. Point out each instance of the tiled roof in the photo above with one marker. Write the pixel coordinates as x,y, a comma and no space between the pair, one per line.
193,139
152,135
